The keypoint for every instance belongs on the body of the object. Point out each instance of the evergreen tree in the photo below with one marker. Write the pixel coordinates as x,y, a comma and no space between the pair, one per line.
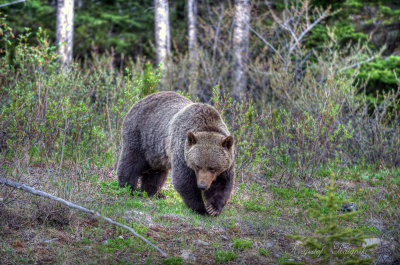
324,243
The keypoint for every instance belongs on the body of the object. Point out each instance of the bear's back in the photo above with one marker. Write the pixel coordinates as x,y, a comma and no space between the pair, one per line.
147,124
165,104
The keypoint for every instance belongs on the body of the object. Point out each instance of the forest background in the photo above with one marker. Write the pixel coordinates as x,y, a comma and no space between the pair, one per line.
124,30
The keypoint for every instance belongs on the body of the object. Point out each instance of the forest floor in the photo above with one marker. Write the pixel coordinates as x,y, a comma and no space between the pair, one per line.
252,228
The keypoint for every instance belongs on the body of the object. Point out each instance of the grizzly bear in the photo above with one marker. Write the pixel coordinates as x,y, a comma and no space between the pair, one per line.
167,131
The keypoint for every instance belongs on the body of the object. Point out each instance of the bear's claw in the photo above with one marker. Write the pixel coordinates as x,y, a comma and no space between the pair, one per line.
212,211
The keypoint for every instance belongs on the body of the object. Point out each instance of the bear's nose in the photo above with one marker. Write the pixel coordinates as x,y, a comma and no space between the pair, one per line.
201,186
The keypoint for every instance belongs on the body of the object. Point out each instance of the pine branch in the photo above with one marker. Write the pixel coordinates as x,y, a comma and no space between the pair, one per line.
33,191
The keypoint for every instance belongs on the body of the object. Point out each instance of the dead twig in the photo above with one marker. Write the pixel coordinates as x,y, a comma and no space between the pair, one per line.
12,3
357,64
29,189
266,43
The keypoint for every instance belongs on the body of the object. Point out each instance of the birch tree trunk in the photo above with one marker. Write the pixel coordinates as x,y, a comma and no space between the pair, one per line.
240,47
162,31
192,45
65,31
192,32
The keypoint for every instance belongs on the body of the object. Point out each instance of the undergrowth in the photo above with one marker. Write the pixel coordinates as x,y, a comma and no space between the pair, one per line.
48,116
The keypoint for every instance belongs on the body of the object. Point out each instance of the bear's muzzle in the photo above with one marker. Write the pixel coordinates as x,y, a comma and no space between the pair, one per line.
204,179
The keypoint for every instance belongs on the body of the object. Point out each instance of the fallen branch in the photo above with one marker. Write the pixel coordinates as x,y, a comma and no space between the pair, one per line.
15,2
26,188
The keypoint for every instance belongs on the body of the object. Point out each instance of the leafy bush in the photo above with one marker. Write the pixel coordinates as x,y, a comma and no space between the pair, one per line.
314,117
77,115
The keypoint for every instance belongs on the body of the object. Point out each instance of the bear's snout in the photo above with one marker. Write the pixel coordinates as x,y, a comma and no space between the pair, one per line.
204,179
201,186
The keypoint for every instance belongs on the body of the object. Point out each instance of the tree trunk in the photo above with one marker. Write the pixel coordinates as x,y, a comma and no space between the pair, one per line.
65,31
192,33
192,45
240,47
162,32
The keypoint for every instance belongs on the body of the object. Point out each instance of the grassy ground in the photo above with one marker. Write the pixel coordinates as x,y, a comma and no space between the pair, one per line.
252,228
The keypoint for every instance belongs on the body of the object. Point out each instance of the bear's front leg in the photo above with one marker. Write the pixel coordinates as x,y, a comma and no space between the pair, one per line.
184,180
218,194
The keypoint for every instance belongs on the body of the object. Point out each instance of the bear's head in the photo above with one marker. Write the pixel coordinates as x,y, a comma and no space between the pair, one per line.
208,154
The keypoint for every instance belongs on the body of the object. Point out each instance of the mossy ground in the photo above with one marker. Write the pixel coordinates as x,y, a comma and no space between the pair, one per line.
252,228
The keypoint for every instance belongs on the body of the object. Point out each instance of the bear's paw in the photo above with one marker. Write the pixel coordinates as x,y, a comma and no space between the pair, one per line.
212,210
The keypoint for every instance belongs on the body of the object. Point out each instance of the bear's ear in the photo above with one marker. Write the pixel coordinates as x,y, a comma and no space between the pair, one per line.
228,142
191,138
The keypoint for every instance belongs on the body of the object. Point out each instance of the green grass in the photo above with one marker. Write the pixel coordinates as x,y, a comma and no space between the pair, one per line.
284,259
370,230
264,252
251,205
172,261
242,244
86,241
118,244
113,189
224,256
171,204
303,196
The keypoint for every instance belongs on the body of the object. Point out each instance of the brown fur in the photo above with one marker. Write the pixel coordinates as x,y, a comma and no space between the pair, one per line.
167,131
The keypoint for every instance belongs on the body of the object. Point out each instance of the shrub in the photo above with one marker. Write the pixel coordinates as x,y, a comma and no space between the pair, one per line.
323,244
53,116
313,118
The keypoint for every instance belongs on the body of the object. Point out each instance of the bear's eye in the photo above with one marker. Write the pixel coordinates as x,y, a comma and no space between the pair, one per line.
212,170
197,168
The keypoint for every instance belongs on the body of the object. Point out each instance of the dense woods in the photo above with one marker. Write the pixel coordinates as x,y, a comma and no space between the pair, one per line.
126,31
310,91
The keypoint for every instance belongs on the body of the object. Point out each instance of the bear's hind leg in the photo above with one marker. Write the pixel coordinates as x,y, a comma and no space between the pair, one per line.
153,180
130,167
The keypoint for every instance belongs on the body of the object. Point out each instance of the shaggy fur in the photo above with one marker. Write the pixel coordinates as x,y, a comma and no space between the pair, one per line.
167,131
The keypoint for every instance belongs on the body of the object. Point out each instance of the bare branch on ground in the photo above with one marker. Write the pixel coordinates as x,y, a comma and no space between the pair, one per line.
33,191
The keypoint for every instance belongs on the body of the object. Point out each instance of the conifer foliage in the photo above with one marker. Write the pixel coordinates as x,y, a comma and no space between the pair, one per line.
334,241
